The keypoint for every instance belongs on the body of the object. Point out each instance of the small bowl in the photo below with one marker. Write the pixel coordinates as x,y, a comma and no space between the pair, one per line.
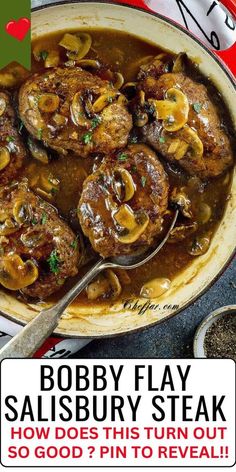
199,338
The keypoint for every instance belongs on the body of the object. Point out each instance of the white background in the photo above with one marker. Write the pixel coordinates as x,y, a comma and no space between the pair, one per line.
206,377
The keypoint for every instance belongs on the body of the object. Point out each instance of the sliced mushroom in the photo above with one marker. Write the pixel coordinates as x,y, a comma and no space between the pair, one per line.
173,110
37,151
124,185
48,102
114,283
3,105
203,213
142,98
53,59
155,287
141,119
187,141
77,45
194,142
180,200
199,246
180,63
78,112
122,100
22,212
60,120
105,285
104,100
70,42
8,226
16,274
4,157
119,80
33,238
98,288
91,63
179,233
35,119
129,89
49,183
45,195
134,226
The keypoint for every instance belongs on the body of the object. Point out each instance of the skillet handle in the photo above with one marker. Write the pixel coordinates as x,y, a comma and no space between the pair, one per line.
28,341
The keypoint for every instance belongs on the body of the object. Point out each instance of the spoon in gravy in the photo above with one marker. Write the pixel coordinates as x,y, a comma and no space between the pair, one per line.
28,341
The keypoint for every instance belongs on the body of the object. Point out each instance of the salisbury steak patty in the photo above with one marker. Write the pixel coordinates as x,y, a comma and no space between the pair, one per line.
123,202
12,150
73,109
200,145
38,251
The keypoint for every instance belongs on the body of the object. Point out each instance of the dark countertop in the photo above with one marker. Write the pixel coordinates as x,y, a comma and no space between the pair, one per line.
174,337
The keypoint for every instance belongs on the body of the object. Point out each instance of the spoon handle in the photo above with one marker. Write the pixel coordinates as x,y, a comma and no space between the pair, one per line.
28,341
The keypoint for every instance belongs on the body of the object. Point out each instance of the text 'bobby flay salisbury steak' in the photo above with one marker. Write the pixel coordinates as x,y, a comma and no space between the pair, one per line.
184,124
71,109
38,251
123,202
12,150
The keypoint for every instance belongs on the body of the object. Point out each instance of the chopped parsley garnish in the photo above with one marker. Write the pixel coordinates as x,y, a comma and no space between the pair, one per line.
44,218
143,181
43,55
133,169
122,157
162,140
10,139
197,107
101,179
34,221
40,133
54,191
133,140
87,138
74,244
96,121
21,126
54,262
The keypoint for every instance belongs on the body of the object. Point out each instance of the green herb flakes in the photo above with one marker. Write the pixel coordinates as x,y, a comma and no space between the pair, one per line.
87,138
39,134
143,181
197,107
10,139
44,218
43,55
122,157
54,262
162,140
96,121
34,221
74,244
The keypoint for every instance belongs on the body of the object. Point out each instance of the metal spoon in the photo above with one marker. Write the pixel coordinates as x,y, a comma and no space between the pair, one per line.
28,341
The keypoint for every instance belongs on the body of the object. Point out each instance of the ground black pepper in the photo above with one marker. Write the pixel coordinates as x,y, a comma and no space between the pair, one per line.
220,339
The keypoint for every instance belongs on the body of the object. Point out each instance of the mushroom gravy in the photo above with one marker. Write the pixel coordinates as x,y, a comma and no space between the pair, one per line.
64,175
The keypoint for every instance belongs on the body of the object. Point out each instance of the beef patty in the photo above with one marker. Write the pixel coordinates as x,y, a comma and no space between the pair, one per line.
123,202
71,109
31,229
12,150
201,147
